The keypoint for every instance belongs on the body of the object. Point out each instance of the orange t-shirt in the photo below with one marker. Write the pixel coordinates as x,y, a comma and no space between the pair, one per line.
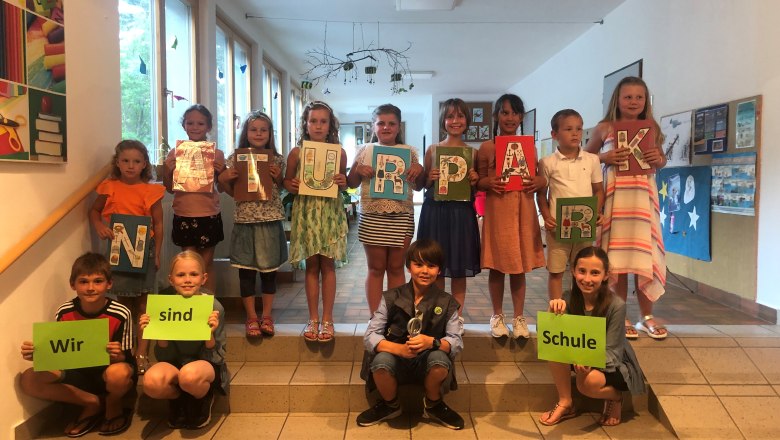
122,198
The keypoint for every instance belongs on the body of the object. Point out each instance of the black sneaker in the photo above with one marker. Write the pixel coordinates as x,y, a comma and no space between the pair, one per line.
177,416
200,410
444,415
381,411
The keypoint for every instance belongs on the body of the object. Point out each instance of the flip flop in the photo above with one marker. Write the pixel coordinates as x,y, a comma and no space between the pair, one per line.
568,413
126,417
86,424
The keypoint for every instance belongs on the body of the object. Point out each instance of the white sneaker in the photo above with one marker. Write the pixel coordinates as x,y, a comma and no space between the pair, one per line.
520,328
461,321
498,328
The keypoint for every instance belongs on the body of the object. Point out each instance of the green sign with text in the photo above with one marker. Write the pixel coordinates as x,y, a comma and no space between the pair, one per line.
176,318
65,345
572,339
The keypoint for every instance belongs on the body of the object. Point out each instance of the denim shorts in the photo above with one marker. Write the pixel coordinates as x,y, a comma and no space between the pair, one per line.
415,369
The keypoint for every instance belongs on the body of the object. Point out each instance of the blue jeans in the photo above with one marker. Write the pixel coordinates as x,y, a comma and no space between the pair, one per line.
415,369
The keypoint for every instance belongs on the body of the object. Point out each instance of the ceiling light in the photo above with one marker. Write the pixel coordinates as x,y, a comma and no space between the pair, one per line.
422,74
424,5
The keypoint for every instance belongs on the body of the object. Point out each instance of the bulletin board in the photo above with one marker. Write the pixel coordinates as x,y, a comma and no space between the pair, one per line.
481,128
734,238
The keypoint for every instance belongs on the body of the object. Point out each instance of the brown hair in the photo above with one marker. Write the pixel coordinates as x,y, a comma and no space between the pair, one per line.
89,264
387,109
514,101
333,126
613,111
426,251
200,108
243,140
565,113
131,144
603,296
456,104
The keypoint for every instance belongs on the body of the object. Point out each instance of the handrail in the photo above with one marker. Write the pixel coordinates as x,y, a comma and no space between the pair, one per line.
58,214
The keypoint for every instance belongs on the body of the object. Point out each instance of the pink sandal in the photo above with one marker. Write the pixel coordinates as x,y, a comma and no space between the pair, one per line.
267,326
252,328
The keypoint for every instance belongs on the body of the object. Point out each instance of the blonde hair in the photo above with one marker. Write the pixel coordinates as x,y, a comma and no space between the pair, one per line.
188,255
131,144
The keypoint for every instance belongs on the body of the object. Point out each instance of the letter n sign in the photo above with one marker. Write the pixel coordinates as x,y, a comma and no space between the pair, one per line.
127,252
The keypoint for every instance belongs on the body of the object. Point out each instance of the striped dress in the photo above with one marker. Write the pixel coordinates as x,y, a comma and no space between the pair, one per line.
631,232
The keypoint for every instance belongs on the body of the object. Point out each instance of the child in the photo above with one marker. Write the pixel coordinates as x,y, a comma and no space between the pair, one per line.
570,172
258,243
188,372
591,297
128,191
93,387
453,224
319,225
630,231
197,220
511,238
386,226
393,356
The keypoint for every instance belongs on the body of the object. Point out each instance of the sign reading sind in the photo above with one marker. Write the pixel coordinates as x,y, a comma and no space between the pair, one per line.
66,345
572,339
176,318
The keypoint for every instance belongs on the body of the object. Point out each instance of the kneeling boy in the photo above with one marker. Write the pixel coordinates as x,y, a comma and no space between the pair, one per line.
90,277
393,356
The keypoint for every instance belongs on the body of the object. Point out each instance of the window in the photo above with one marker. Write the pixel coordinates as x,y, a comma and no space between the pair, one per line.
296,108
179,72
272,100
232,87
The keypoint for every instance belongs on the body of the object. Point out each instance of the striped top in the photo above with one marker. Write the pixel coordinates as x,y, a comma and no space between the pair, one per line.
120,321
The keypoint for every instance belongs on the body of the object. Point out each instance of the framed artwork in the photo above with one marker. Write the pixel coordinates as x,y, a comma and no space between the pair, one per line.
710,129
319,165
746,124
611,80
481,128
677,141
638,136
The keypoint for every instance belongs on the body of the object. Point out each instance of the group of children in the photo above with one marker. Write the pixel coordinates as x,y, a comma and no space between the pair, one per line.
448,245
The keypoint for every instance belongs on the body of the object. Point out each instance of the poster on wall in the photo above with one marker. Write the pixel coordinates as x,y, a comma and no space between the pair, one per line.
677,142
683,198
32,81
710,129
734,184
746,124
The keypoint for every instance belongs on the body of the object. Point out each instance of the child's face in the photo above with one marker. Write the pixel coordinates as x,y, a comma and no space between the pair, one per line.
196,124
423,274
318,124
91,288
569,134
131,164
258,132
631,101
386,127
187,277
455,122
508,119
589,274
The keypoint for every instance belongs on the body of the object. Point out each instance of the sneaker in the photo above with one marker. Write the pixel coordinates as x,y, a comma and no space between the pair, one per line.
497,327
520,328
381,411
200,410
443,414
461,321
177,415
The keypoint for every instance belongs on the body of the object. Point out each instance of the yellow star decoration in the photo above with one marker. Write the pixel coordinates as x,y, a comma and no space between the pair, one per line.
663,191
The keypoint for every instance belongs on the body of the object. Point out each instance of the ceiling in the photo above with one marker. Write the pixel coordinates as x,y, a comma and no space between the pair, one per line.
478,47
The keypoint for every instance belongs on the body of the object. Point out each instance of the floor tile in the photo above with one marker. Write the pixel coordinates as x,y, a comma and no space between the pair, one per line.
744,390
162,431
582,426
756,417
707,342
642,425
669,365
395,429
662,389
744,331
505,425
495,373
693,331
265,373
319,426
726,366
768,361
425,429
699,417
237,425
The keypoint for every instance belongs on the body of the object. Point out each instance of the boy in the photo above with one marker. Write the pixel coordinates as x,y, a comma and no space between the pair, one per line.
90,277
393,356
570,172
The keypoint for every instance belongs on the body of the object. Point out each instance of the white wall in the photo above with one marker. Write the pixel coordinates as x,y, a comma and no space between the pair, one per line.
38,282
695,53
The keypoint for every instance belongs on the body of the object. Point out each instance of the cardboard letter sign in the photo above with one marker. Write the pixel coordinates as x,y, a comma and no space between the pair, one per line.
254,178
454,164
194,170
637,136
319,164
390,165
515,159
127,251
576,218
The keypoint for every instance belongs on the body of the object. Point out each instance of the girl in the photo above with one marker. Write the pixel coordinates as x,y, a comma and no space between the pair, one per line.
319,225
128,191
187,372
197,221
453,224
258,242
511,238
630,231
590,296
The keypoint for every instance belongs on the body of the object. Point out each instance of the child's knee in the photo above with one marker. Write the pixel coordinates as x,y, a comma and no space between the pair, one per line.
118,376
29,380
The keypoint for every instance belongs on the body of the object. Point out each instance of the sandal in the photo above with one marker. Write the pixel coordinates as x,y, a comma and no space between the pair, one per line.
126,417
312,330
141,364
609,410
327,333
267,326
83,426
651,330
631,332
252,327
567,413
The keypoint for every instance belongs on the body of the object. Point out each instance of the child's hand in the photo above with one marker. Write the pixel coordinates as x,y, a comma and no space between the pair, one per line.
531,185
581,369
497,185
294,185
419,343
557,306
653,158
27,350
219,167
473,176
615,156
104,232
599,220
550,223
414,172
340,180
230,175
365,171
433,175
114,352
274,169
404,351
213,320
143,321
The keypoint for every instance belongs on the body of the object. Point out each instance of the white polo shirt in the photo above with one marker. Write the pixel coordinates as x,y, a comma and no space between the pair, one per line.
570,177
